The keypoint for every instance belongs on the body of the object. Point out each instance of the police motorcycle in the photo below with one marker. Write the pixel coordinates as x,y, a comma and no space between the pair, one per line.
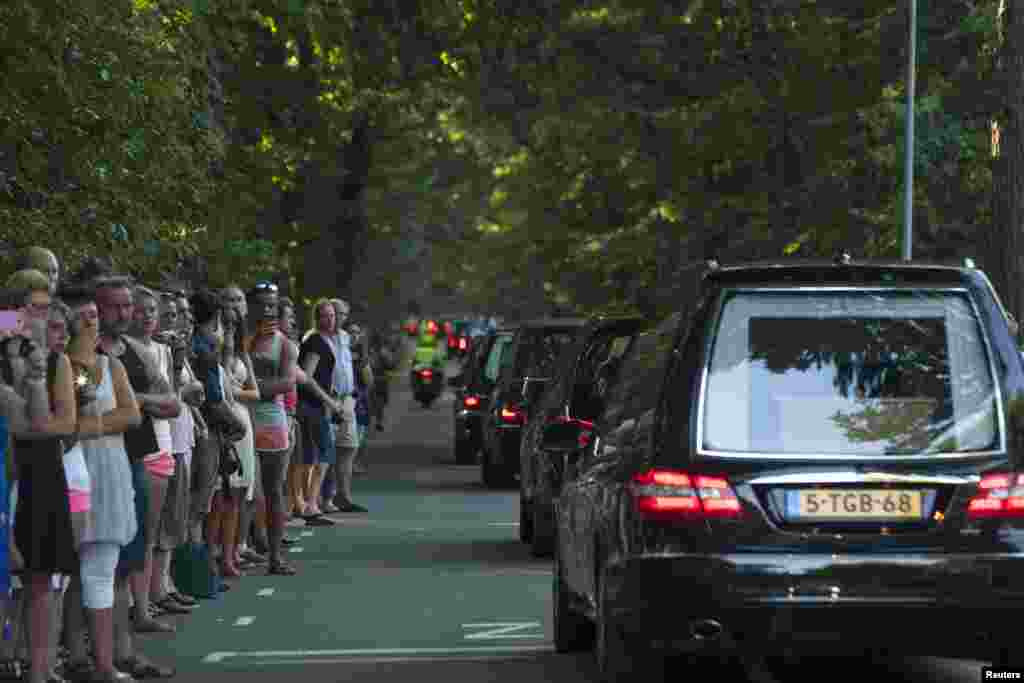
427,374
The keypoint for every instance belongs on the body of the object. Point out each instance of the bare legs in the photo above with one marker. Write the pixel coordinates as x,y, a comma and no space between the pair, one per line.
273,467
39,594
141,581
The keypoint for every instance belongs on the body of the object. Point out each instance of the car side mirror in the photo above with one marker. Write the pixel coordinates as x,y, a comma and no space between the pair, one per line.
566,435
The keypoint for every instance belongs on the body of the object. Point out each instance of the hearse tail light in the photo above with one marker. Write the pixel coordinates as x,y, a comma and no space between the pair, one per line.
999,496
673,495
512,415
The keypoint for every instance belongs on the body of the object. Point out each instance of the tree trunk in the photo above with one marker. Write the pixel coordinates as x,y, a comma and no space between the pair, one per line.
1003,244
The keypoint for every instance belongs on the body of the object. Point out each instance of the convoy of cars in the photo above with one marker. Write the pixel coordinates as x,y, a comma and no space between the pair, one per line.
527,366
473,389
806,458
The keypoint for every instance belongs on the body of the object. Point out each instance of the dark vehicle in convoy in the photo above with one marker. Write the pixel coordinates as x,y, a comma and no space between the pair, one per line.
473,392
427,383
584,372
815,458
526,368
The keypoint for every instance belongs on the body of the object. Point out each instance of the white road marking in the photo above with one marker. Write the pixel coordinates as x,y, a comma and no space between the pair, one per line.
265,592
403,652
306,534
503,524
502,630
244,621
295,549
525,656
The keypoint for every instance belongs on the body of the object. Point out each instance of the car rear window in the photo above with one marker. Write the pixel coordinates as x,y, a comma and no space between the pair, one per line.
494,359
871,373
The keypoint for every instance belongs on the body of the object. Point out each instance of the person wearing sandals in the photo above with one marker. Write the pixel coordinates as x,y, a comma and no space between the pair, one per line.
116,305
42,528
174,518
240,388
296,504
317,407
274,365
161,403
222,420
252,505
77,474
337,489
107,409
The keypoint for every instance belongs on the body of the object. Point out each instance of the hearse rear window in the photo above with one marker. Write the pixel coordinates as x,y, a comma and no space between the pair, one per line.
873,373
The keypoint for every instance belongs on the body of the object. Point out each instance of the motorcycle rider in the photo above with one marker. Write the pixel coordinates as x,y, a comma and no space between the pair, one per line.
430,352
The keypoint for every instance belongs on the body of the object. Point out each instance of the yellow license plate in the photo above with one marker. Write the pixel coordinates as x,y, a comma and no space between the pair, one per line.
854,504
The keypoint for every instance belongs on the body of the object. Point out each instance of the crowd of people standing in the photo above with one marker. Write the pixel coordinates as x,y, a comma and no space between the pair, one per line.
145,424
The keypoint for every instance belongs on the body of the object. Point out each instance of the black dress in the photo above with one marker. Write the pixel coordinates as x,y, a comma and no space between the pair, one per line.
42,525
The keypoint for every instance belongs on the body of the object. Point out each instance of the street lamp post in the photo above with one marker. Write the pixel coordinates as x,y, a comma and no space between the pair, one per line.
908,164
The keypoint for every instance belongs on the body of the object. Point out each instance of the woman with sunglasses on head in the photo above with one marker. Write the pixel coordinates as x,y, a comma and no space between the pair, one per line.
274,366
42,524
107,409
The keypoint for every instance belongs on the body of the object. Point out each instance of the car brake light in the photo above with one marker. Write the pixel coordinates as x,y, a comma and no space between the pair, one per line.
670,495
427,373
471,402
999,496
512,415
463,343
432,327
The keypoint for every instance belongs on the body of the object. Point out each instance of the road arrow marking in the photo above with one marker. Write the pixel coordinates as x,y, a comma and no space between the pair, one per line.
295,549
244,621
265,592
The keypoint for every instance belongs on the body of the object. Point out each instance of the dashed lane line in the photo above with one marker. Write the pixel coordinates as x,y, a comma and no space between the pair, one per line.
244,621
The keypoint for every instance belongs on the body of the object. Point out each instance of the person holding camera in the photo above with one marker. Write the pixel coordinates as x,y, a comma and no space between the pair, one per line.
38,396
274,365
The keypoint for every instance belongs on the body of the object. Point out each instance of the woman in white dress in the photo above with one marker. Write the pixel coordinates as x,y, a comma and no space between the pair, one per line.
107,409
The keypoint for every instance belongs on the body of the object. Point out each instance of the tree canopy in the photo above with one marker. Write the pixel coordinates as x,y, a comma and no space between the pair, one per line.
522,155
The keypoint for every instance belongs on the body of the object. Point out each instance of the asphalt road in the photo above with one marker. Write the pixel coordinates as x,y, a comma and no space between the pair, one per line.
431,584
